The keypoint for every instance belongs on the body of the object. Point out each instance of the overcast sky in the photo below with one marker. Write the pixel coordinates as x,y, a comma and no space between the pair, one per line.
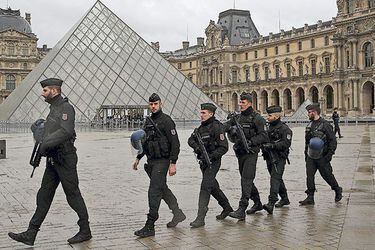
171,21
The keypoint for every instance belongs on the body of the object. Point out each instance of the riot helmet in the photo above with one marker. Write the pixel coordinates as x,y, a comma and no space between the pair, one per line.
315,148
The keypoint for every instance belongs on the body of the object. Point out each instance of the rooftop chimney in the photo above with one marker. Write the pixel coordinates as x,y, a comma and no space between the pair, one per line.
200,41
28,17
185,44
44,48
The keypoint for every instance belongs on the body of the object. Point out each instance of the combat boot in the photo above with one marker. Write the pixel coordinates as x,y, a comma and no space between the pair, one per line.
83,234
198,222
282,202
224,213
338,194
256,207
27,237
269,207
238,214
308,201
178,217
147,231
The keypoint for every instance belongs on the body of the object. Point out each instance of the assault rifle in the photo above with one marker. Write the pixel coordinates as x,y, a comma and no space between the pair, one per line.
36,157
241,134
203,150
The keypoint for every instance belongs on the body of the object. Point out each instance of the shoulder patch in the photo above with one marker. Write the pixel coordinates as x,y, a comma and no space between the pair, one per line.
222,137
64,117
173,132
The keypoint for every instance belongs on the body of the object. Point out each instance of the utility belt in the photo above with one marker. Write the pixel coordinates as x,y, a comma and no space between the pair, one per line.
57,153
158,149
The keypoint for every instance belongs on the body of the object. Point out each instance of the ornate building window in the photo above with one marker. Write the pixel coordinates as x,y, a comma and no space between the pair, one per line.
371,4
327,64
179,65
276,50
266,73
350,4
265,52
256,74
369,54
190,64
247,75
11,50
312,43
326,41
246,56
277,71
313,67
221,77
288,48
24,65
234,57
299,45
300,68
234,76
25,51
255,54
10,82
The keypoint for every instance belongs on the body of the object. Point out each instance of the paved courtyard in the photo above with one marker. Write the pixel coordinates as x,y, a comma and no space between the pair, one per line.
116,197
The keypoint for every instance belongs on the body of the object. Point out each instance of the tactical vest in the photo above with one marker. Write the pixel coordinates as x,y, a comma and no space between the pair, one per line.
156,145
248,125
208,137
274,135
318,131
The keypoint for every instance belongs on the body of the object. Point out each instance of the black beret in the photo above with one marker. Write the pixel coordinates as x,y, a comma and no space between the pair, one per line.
154,98
313,107
208,106
273,109
246,96
51,82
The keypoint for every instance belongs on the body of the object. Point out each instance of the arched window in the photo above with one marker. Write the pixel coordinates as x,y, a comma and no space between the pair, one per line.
11,50
369,54
10,82
371,4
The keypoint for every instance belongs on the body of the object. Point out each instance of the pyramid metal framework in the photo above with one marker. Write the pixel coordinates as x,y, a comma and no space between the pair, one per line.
104,62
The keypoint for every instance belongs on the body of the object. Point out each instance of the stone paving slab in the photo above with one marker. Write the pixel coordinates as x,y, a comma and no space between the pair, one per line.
116,197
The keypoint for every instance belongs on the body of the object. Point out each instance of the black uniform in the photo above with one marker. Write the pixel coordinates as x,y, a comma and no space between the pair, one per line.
322,129
161,147
216,144
58,146
336,120
253,126
280,137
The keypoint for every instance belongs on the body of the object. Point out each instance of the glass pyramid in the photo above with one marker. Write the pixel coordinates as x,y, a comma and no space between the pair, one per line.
103,62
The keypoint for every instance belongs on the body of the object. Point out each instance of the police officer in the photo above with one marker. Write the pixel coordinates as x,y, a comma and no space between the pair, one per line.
336,120
58,146
161,147
320,146
252,124
276,153
212,134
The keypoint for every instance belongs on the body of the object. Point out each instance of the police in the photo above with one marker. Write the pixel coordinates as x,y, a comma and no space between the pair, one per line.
252,124
320,146
58,146
214,142
161,146
276,153
336,121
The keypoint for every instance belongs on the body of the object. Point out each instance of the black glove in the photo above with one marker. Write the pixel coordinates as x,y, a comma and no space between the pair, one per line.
327,157
197,151
268,146
43,150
